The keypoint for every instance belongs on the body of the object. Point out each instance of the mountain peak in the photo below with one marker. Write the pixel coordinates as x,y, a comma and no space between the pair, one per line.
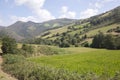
19,22
30,22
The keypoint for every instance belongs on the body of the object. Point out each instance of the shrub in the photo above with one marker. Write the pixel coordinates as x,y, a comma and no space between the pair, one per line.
9,45
28,48
11,59
106,41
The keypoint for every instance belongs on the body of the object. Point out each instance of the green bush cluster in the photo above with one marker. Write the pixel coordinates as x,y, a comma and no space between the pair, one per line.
9,45
106,41
26,70
11,59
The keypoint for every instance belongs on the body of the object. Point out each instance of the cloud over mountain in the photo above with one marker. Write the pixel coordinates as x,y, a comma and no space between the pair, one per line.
36,7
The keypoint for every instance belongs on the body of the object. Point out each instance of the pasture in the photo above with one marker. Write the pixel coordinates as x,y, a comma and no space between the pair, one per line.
83,60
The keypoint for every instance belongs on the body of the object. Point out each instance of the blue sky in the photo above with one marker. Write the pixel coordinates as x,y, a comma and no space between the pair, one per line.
43,10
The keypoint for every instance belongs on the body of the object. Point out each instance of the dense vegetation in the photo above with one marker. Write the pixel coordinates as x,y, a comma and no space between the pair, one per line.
106,41
66,40
100,40
9,45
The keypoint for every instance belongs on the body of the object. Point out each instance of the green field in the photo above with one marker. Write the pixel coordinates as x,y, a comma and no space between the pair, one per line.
84,60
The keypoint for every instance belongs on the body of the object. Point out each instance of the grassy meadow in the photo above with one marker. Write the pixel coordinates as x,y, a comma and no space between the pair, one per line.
83,60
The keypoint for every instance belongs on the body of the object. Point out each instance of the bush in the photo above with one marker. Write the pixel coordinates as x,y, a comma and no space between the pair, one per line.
85,44
11,59
9,45
28,48
106,41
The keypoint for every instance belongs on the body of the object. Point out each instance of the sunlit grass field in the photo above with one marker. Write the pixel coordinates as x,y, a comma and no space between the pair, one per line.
83,60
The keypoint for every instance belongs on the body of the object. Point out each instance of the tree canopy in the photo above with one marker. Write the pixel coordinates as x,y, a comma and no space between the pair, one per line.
9,45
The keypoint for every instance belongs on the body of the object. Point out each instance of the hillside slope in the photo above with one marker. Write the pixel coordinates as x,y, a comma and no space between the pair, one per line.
22,30
90,27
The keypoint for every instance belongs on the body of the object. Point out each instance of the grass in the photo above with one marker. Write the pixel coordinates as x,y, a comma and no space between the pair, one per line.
55,31
89,34
102,29
86,60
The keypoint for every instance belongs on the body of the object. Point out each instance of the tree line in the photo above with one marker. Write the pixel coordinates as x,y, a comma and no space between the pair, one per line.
108,41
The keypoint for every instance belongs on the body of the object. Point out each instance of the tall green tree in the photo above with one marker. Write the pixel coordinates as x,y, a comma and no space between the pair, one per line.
110,42
9,45
98,41
117,42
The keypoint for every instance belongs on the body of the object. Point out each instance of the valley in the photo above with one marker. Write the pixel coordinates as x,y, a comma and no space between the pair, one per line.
62,49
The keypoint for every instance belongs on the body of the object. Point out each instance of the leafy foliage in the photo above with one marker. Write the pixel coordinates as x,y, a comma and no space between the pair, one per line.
9,45
106,41
11,59
28,48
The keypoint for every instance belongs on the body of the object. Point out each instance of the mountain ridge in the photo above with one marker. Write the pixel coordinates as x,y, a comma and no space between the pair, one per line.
25,30
21,30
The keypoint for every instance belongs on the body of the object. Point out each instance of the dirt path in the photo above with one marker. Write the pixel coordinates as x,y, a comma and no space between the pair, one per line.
3,75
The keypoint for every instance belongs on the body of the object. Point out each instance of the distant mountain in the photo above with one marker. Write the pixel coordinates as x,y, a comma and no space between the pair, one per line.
24,30
1,27
21,30
58,22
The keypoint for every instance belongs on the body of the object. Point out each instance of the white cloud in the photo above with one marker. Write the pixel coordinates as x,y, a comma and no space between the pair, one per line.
94,8
100,3
66,13
88,13
64,9
37,7
25,19
97,5
44,15
36,4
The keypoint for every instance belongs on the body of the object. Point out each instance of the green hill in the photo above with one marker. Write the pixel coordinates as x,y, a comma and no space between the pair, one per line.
22,30
90,27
